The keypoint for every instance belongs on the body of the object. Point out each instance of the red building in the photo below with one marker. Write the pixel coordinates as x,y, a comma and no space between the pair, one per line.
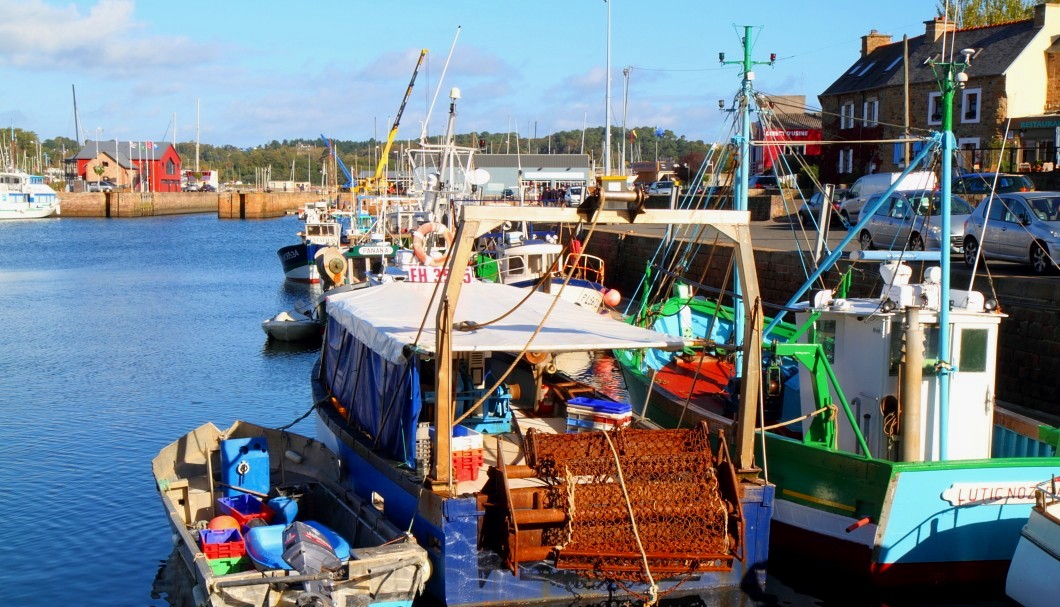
140,166
794,130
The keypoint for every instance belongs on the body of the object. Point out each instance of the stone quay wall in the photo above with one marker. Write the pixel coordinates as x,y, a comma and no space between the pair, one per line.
227,205
1029,345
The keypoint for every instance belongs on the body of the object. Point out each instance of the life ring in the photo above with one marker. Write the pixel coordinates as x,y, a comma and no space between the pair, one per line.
420,235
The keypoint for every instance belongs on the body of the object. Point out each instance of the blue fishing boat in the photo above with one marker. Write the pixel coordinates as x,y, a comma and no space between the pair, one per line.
520,492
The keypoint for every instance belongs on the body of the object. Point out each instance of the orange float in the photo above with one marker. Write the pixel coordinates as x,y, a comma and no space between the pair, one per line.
420,236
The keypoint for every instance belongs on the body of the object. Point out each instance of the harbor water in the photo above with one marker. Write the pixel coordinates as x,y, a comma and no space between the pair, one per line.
121,335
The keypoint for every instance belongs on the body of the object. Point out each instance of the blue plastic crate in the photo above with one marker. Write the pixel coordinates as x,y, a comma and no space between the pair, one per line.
603,406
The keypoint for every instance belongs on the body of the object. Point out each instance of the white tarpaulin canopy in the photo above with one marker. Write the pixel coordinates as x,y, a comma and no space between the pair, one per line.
387,318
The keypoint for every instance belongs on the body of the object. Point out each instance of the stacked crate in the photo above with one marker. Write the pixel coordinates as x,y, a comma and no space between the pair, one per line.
466,446
590,414
225,550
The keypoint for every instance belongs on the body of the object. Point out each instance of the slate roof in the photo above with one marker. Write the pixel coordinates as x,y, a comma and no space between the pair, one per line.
545,161
996,46
121,155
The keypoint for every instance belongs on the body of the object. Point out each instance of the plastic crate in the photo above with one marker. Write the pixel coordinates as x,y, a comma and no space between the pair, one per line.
244,508
601,406
466,464
464,438
222,543
230,565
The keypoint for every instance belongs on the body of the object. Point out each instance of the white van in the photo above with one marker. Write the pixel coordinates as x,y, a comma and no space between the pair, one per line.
876,183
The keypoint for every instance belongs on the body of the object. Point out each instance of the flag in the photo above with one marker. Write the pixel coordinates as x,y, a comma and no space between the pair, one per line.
658,132
632,135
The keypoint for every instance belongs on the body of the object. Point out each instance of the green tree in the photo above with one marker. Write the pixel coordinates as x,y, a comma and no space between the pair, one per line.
977,13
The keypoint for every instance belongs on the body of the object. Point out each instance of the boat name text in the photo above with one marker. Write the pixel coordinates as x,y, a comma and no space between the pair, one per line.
1014,492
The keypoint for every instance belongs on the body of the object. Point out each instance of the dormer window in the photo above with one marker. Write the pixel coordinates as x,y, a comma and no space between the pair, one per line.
934,108
970,102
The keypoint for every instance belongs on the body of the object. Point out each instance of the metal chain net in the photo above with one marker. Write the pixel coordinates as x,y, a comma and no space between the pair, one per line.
673,490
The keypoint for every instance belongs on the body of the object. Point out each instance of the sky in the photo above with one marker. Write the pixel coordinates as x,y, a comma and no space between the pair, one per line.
246,73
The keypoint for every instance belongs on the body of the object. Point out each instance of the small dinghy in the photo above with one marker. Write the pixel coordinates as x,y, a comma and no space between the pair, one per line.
259,518
293,325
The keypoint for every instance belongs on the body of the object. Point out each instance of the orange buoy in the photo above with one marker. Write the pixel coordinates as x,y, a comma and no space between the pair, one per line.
612,298
223,522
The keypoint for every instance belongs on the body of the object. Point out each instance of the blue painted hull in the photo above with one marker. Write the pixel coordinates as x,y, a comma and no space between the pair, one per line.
465,575
297,263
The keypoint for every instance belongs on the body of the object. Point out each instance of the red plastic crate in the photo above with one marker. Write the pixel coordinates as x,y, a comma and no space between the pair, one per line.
245,507
466,464
222,543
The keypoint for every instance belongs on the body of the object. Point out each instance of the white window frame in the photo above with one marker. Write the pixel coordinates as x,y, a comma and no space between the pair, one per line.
934,101
846,115
978,92
963,147
846,161
870,110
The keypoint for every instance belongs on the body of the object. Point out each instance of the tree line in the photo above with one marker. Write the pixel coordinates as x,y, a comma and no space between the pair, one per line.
302,160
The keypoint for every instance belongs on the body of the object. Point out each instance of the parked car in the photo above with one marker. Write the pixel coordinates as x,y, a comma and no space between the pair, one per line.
763,182
508,194
574,196
981,183
810,211
913,221
661,188
207,188
1020,226
103,185
877,183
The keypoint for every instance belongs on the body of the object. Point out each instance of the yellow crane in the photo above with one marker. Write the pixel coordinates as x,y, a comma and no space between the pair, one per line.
377,180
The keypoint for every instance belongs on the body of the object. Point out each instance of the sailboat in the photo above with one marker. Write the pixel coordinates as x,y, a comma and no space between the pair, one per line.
900,484
444,435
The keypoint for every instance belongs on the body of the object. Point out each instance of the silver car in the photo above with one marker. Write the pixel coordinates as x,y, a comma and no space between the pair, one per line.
913,221
1019,226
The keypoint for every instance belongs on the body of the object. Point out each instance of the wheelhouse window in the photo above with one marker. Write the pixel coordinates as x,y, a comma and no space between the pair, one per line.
970,101
934,108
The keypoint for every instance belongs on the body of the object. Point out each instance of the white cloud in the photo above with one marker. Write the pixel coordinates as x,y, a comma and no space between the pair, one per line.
35,35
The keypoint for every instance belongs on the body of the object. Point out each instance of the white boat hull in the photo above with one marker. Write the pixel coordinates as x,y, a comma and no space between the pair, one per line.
1035,569
28,212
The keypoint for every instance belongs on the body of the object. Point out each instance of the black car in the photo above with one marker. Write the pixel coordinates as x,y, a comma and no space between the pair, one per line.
763,182
982,183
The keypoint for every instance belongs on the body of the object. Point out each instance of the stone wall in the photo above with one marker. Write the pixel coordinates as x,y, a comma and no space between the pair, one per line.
1029,344
227,205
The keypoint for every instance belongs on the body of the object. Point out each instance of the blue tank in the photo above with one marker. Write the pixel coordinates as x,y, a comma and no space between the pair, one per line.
245,463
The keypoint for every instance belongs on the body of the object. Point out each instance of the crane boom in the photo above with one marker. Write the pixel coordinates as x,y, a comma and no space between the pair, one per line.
334,154
397,120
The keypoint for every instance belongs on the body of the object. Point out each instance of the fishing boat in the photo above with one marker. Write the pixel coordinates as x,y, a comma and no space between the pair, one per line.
321,229
521,495
25,196
524,258
904,483
1035,569
259,516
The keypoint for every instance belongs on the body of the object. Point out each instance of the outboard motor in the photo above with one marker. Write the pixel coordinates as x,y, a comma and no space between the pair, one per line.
306,550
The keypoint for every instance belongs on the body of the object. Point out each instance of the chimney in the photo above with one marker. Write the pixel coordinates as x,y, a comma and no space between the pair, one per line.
873,41
936,28
1041,13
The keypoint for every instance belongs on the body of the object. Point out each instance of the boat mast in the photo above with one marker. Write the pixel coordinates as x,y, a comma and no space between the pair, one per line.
743,142
77,119
951,76
607,98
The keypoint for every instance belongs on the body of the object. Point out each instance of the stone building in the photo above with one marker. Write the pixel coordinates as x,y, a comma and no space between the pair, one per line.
891,92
